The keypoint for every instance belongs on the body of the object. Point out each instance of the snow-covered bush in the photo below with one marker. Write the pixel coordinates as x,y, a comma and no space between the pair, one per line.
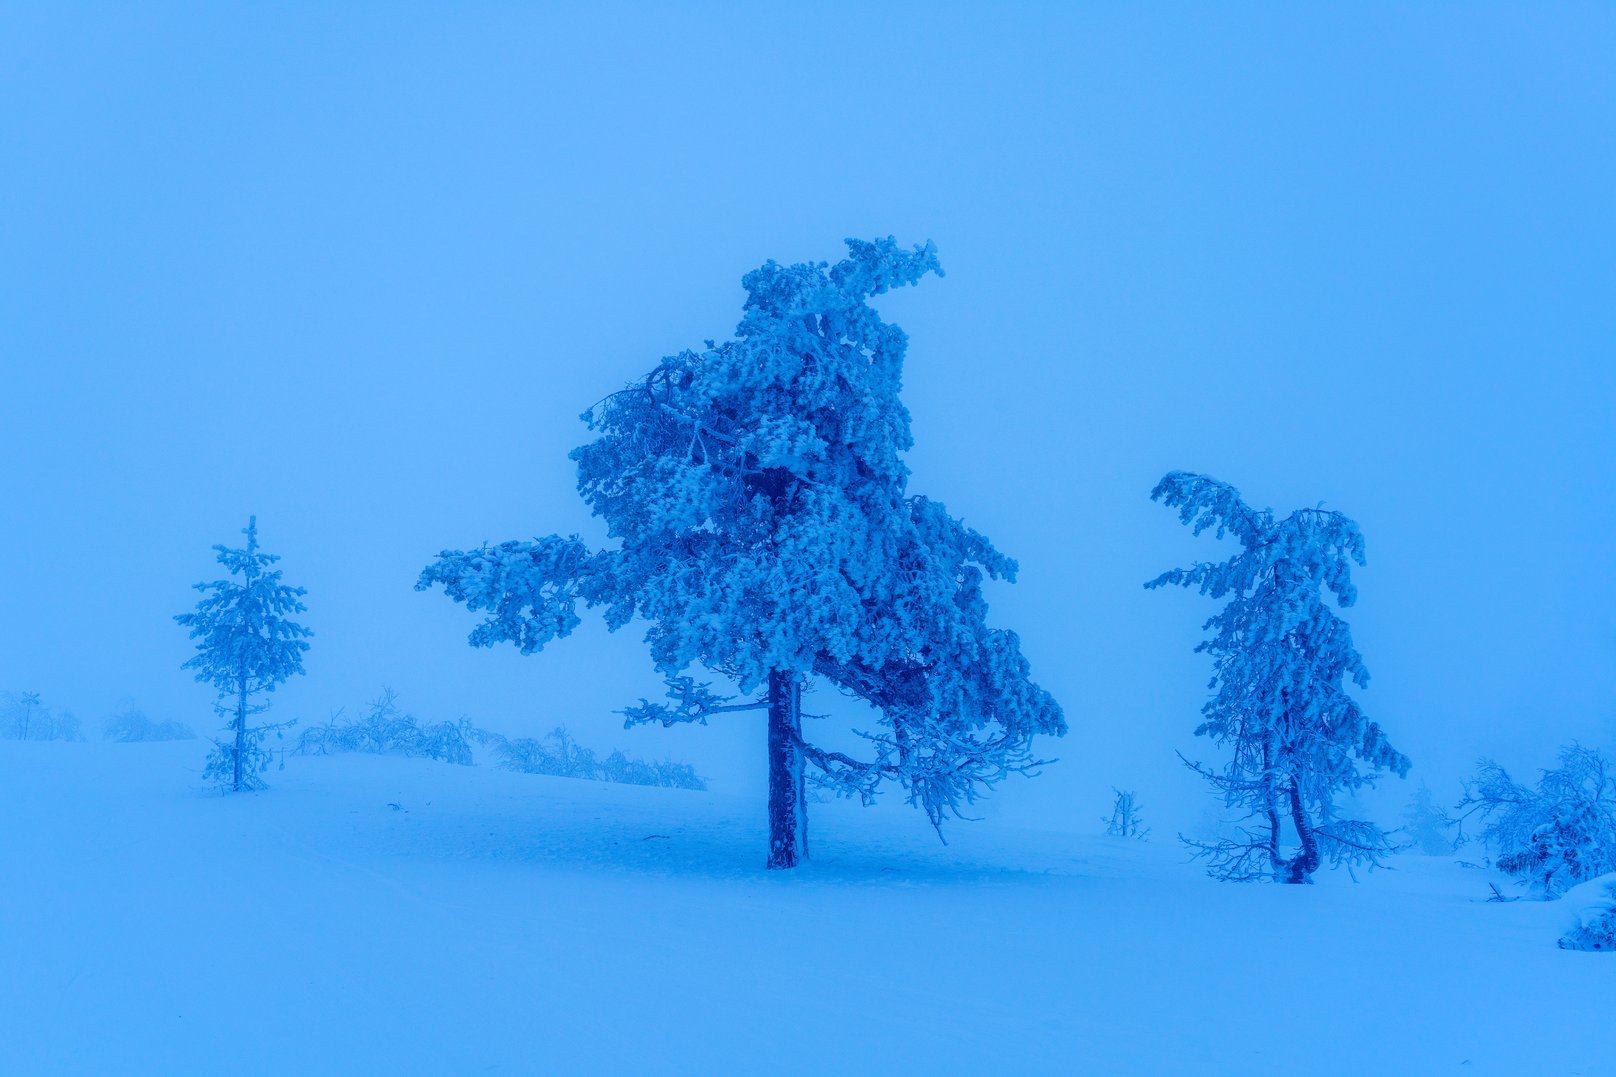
1555,836
560,756
1593,915
24,717
1125,820
557,755
132,725
385,729
669,775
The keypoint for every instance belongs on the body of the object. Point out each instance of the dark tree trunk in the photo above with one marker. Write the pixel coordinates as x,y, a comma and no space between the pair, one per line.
1305,862
788,807
241,733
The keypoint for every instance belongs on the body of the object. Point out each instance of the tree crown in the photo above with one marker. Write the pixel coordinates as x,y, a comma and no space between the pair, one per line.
245,637
757,497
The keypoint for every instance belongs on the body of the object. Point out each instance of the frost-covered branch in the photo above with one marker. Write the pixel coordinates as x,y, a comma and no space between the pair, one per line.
692,702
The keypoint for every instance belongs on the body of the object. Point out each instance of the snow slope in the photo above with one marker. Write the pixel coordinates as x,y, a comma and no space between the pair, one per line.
380,915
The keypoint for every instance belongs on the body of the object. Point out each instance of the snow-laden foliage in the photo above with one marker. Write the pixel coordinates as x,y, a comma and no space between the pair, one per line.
1281,657
1555,836
1427,826
762,529
246,644
1125,820
385,729
1593,915
131,725
560,756
23,716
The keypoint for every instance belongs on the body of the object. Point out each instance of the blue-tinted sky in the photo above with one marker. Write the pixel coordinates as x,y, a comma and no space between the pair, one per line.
357,269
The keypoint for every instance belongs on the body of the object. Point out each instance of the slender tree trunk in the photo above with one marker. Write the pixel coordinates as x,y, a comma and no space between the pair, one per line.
241,731
788,806
1305,862
1271,807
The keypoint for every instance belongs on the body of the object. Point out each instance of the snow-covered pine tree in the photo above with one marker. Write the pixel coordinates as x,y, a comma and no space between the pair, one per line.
756,495
1280,655
246,646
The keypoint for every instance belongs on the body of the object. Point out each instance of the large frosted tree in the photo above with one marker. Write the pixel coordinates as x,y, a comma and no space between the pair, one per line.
1281,657
756,500
246,645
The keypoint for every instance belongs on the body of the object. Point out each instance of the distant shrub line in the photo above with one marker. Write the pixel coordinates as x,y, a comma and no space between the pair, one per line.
132,726
385,729
560,756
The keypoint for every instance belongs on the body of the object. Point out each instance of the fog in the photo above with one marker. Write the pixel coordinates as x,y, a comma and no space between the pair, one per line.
358,273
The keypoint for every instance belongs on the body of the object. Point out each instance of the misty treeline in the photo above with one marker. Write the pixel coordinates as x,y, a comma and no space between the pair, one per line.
27,716
763,533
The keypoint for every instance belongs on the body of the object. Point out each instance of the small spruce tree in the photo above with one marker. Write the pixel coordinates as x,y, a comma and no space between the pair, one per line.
1280,655
247,645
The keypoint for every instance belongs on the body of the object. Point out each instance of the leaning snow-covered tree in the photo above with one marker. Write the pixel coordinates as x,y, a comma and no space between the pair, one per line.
246,646
756,499
1280,655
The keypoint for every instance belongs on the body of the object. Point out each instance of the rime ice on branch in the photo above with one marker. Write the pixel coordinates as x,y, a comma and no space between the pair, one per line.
246,646
758,503
1280,655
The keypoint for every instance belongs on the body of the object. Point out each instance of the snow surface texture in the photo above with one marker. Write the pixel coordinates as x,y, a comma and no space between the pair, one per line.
373,914
1593,915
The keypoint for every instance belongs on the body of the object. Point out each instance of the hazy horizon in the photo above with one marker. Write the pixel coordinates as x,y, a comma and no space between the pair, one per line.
358,274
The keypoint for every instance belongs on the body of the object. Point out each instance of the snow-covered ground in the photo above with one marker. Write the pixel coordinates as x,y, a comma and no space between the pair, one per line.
381,915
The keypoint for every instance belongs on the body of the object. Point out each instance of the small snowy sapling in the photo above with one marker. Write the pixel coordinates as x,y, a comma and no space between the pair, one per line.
1125,820
755,493
30,700
1280,655
247,644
